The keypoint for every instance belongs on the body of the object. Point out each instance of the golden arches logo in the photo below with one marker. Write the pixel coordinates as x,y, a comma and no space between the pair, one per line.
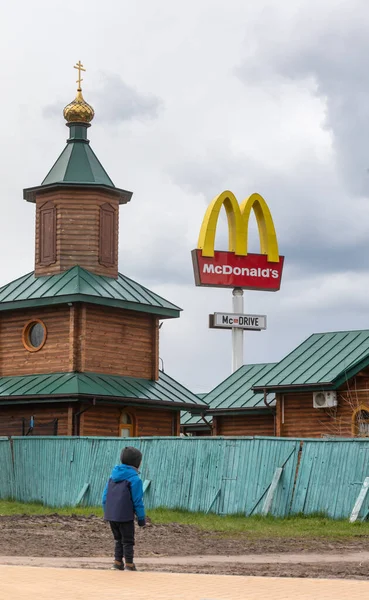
238,223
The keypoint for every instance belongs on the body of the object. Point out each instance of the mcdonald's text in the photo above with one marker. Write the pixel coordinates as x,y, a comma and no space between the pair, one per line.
227,269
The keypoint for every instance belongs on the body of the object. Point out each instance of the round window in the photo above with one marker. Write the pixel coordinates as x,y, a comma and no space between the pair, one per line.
34,335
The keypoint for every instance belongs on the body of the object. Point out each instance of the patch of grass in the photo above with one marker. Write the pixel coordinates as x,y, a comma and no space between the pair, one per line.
256,527
19,508
297,526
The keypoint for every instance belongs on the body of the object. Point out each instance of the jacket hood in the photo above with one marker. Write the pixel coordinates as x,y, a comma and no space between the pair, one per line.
121,472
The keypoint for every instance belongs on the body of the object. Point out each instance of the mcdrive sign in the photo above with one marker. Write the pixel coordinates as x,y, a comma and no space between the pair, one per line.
237,268
232,320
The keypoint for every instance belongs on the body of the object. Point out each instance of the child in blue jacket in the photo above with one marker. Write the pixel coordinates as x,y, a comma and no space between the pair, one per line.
122,500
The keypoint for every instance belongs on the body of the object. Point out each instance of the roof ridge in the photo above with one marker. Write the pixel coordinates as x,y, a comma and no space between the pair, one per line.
339,331
79,284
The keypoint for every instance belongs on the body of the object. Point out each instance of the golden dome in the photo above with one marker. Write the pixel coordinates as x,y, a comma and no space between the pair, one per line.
78,111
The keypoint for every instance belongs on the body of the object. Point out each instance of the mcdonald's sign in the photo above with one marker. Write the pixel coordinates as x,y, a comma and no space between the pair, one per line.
237,268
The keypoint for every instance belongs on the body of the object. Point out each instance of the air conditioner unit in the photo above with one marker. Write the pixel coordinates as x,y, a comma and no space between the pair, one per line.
324,399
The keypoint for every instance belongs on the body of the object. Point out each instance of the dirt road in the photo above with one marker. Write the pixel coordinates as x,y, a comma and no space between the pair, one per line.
79,537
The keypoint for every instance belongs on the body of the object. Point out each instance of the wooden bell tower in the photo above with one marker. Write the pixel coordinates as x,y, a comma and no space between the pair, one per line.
77,204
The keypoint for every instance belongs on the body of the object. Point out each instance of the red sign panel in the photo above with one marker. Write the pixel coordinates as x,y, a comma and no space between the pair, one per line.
226,269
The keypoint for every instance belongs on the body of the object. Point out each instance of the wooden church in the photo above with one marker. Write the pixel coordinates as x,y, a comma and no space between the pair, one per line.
79,342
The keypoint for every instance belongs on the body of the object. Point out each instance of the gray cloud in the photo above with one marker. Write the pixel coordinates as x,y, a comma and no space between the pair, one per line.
331,56
114,102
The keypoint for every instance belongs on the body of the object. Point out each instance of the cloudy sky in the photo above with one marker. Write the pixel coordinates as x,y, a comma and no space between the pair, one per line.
191,99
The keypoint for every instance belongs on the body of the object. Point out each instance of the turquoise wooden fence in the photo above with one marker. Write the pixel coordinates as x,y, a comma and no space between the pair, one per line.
223,475
330,477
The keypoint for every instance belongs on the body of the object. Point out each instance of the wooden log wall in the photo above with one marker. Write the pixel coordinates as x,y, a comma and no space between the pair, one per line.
119,342
105,420
239,425
99,420
53,357
11,418
82,338
77,231
296,416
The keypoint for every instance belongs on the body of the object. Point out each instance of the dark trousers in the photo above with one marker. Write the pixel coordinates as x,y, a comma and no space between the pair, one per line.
124,535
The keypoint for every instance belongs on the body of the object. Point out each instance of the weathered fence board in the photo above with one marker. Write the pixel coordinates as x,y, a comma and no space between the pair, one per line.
6,469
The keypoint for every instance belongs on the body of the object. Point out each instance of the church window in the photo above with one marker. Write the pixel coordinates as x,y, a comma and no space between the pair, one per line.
362,422
34,335
126,425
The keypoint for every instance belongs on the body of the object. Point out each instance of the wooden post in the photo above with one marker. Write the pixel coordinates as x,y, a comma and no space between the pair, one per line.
360,500
279,428
70,421
72,338
82,493
213,501
270,495
155,349
146,485
82,339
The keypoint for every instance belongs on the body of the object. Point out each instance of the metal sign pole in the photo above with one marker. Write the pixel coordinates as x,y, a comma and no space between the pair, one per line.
237,334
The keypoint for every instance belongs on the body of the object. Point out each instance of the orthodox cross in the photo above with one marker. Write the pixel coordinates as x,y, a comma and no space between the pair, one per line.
80,68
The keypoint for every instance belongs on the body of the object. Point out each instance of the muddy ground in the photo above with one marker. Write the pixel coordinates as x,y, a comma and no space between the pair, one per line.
58,536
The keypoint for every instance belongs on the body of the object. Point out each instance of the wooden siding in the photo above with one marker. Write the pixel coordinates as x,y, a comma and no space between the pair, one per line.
296,416
105,420
77,231
11,418
156,422
53,356
100,420
82,338
262,424
119,342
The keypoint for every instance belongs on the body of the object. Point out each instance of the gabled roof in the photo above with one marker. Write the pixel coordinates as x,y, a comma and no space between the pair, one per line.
69,386
79,285
323,360
235,393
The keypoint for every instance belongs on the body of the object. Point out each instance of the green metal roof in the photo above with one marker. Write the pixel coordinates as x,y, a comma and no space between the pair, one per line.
324,359
79,285
188,419
235,393
77,165
66,385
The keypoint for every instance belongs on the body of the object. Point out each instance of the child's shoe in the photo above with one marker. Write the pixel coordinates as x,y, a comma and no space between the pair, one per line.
130,567
117,566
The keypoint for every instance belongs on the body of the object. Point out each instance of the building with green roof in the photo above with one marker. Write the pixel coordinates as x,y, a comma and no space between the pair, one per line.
79,341
234,408
322,386
320,389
